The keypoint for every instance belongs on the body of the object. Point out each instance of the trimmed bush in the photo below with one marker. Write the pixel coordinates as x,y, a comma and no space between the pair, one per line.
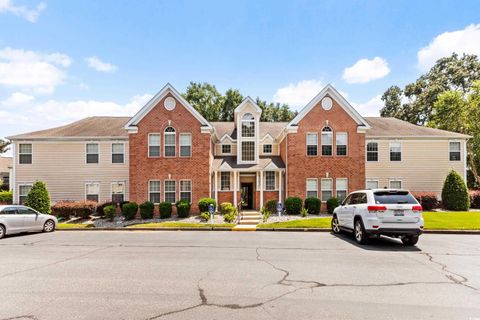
205,216
293,205
475,199
38,198
67,209
146,210
205,202
313,205
183,208
129,210
265,214
332,203
454,193
428,200
101,207
226,208
271,206
109,212
165,209
6,197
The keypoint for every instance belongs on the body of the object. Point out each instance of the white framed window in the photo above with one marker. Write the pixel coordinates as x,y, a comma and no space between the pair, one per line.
225,181
312,187
118,192
312,144
185,144
226,148
248,125
454,150
154,145
269,180
154,191
248,151
170,191
25,153
372,151
186,190
371,184
92,191
92,153
341,188
267,148
326,188
169,142
23,190
327,141
341,143
395,184
118,153
395,151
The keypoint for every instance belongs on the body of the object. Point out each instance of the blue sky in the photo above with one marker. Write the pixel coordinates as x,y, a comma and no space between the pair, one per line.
64,60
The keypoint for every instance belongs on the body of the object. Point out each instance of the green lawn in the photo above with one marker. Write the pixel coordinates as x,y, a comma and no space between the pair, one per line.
173,224
303,223
73,225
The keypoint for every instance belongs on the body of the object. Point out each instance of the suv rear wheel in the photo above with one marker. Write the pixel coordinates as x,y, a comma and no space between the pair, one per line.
335,225
359,232
409,240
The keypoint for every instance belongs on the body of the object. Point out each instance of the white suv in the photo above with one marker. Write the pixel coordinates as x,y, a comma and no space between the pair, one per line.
376,212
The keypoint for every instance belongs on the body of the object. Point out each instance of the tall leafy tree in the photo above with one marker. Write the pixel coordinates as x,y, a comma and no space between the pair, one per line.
205,98
4,146
230,101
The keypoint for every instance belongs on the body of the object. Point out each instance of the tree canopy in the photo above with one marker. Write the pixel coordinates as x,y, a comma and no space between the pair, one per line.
4,146
214,106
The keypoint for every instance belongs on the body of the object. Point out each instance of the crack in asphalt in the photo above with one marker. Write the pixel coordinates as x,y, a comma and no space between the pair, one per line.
21,317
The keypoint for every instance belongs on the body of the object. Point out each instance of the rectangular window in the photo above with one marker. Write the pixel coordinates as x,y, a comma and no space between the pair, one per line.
170,191
248,128
118,153
270,180
327,143
395,184
226,148
154,191
267,148
225,181
372,151
186,190
154,145
92,190
395,151
371,184
23,191
25,153
312,144
248,151
185,145
118,192
169,143
327,189
341,187
342,143
92,152
454,151
312,188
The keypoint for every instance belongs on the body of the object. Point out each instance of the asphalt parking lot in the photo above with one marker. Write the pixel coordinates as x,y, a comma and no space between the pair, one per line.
227,275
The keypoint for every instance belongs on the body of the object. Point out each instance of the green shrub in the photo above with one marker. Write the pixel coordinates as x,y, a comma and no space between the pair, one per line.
205,216
109,212
475,199
129,210
230,217
332,203
226,208
67,209
109,203
313,205
265,214
454,193
293,205
304,212
6,197
38,198
428,200
165,210
205,202
146,210
271,206
183,208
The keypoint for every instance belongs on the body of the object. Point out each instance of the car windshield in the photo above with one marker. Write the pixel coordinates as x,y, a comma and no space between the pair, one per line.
394,197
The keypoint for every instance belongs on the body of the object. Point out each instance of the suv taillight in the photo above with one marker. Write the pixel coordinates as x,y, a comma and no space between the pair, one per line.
375,209
417,209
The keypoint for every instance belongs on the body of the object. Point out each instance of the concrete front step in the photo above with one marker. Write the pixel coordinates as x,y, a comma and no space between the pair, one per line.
243,227
249,222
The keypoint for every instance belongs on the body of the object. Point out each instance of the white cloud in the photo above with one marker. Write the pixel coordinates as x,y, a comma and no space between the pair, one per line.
99,65
459,41
298,94
371,108
365,70
32,70
18,99
22,11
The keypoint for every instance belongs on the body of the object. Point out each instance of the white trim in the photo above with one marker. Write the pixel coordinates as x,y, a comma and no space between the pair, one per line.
389,151
86,152
229,181
321,189
465,137
242,105
31,153
159,144
306,144
180,189
180,144
168,88
111,155
346,145
267,144
175,141
13,178
95,183
372,179
265,137
235,188
336,188
465,161
159,191
124,189
165,190
306,187
226,136
274,180
450,150
378,151
28,184
390,180
225,144
331,133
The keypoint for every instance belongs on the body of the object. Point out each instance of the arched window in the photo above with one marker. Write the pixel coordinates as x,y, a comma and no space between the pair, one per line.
248,125
327,141
169,138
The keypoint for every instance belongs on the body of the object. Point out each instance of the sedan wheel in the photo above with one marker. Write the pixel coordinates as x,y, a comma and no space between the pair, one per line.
360,235
2,232
335,225
49,226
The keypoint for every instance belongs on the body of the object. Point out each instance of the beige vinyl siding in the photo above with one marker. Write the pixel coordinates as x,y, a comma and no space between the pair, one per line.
424,165
275,149
62,166
233,149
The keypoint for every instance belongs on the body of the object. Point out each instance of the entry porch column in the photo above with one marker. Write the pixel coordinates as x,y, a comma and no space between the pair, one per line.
215,184
280,174
261,189
235,188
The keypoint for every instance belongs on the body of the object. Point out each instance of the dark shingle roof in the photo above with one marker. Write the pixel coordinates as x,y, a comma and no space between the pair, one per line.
230,162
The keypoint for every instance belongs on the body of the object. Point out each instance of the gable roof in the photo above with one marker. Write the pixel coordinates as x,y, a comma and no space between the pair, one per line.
168,88
225,130
244,102
329,89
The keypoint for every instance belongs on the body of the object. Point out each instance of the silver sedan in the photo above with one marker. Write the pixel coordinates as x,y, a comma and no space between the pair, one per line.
16,219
